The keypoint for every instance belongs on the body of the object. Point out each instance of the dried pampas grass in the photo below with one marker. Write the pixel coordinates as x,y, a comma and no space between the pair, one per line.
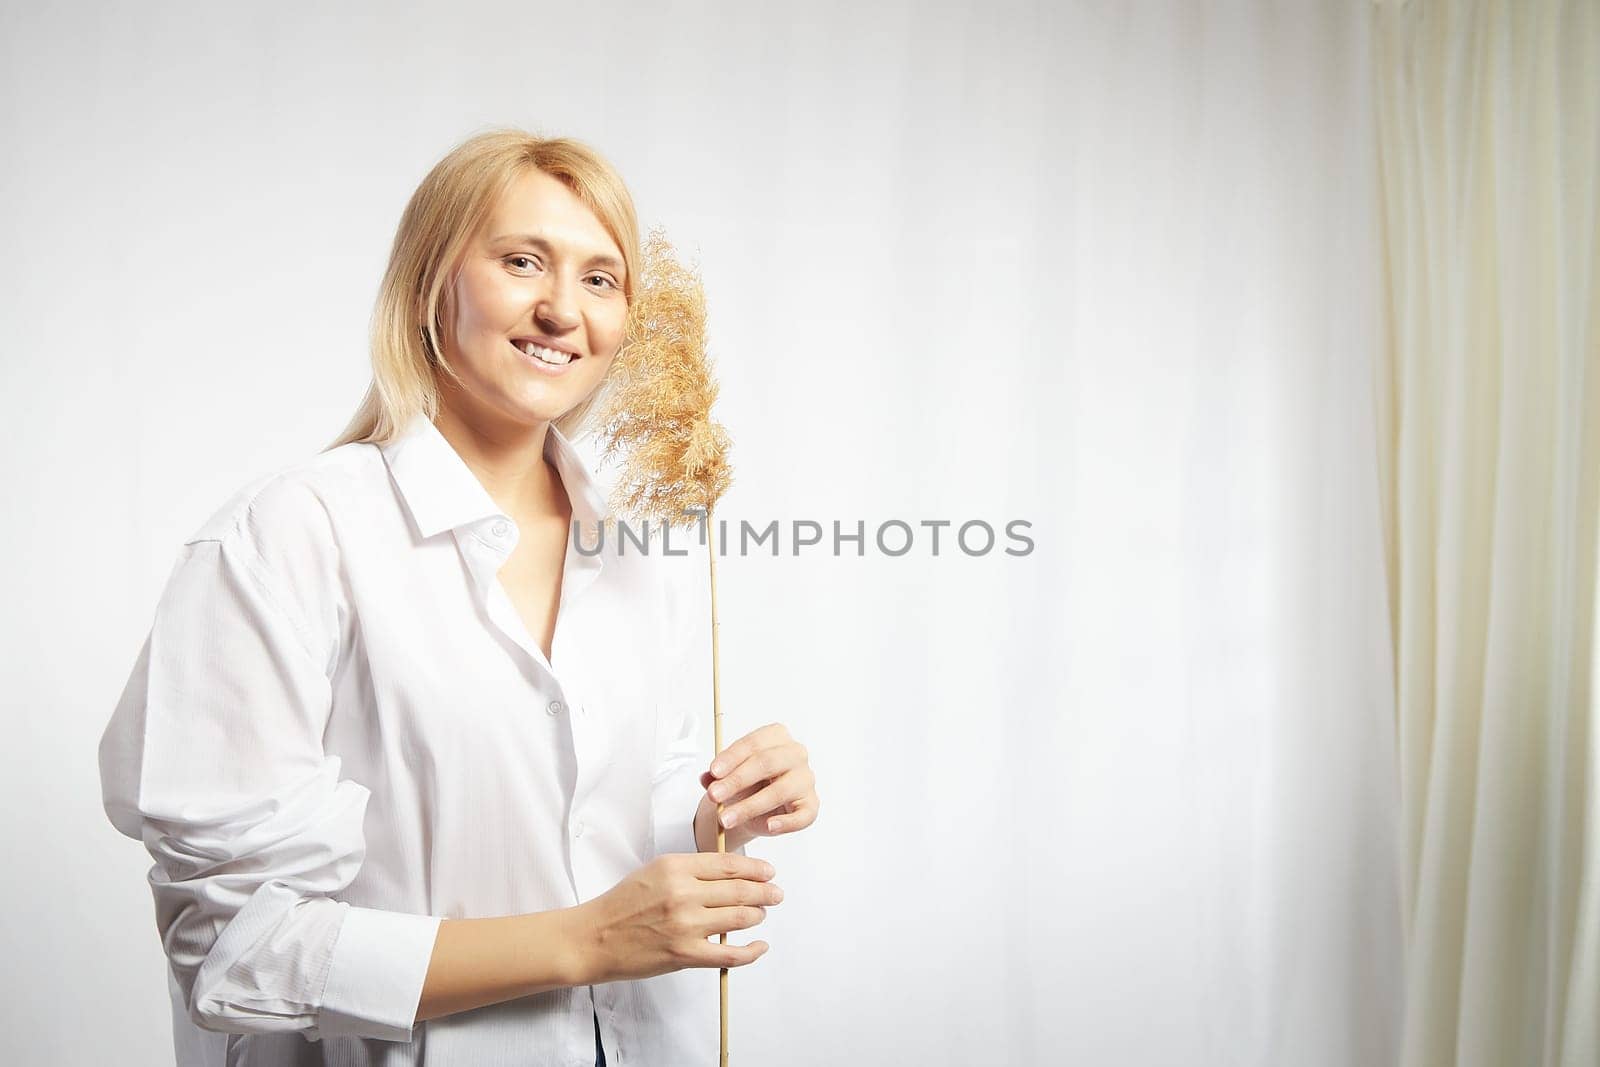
656,414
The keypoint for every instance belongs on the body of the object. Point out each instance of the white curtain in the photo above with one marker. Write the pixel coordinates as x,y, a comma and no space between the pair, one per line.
1488,119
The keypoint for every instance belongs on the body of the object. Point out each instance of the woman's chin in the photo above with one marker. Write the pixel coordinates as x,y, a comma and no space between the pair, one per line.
546,405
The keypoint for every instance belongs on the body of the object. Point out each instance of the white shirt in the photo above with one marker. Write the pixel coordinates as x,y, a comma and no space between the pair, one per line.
339,731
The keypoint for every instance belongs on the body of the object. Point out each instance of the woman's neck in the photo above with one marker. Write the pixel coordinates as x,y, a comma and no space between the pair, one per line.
508,459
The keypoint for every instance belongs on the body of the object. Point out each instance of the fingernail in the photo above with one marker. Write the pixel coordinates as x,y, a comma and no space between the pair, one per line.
717,769
729,818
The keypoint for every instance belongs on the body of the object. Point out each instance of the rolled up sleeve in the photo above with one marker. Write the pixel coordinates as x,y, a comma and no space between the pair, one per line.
214,759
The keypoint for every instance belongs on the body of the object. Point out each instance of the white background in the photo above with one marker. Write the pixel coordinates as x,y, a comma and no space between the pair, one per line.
1107,268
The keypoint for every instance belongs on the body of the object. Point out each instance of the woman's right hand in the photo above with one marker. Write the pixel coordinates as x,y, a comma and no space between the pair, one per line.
659,918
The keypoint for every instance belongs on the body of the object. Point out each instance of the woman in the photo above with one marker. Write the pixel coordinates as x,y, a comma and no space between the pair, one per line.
421,783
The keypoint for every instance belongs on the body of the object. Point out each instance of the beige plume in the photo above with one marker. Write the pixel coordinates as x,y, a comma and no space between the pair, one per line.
656,415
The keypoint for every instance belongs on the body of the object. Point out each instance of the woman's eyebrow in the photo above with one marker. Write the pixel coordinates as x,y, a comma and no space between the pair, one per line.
603,259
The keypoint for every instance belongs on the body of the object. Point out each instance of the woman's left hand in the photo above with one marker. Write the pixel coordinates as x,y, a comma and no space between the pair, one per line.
765,784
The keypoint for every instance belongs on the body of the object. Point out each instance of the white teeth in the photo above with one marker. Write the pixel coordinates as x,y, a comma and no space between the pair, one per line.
553,356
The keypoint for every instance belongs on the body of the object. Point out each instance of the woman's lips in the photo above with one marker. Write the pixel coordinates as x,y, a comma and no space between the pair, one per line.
538,351
539,364
542,341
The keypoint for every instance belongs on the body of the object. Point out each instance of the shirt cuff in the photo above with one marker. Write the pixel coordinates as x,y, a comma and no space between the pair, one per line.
380,962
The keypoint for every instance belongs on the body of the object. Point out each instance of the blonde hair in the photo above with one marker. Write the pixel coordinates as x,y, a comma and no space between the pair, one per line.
442,216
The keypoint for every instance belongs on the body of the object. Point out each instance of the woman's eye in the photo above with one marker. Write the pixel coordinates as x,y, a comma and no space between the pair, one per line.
602,278
525,259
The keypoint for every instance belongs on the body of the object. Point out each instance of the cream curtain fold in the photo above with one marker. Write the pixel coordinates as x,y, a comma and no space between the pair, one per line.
1488,114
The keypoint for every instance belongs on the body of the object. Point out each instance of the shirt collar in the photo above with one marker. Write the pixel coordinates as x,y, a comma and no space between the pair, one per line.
442,493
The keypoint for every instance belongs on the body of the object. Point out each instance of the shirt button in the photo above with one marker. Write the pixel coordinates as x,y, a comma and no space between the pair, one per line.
577,828
500,527
555,707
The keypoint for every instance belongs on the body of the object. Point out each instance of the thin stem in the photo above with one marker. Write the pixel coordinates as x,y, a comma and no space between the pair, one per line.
716,709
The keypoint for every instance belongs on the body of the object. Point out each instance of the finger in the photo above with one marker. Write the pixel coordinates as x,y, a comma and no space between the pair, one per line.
732,892
706,780
801,814
771,734
716,866
793,785
715,954
735,917
785,788
764,764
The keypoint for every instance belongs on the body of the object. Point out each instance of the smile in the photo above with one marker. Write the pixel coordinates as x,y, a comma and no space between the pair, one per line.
549,357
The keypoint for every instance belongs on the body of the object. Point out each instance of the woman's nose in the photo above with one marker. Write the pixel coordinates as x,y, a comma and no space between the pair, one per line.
557,309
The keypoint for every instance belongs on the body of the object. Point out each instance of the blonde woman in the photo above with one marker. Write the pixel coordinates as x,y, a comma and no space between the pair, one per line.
422,783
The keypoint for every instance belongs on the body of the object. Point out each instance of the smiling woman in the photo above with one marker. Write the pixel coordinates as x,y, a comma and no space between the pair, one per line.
416,778
510,238
535,303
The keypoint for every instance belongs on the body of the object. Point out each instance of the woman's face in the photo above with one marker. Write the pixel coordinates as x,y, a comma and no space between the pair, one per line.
541,274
